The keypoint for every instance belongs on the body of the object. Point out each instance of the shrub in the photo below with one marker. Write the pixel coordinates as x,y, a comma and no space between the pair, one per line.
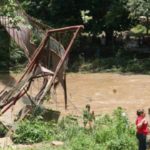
115,132
33,131
3,130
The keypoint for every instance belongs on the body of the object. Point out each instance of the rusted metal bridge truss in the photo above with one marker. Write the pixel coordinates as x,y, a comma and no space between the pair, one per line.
46,63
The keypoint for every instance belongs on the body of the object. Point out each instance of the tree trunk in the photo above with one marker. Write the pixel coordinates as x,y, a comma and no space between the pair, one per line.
147,25
4,50
109,37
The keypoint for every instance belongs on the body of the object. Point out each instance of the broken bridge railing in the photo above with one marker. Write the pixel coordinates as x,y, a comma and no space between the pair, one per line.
37,68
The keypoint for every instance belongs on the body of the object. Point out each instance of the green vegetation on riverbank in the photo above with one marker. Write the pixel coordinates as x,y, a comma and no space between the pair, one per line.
113,132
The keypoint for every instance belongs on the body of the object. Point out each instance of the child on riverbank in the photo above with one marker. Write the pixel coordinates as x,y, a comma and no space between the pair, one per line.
88,117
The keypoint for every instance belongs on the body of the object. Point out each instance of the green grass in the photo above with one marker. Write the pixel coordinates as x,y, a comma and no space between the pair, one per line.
113,132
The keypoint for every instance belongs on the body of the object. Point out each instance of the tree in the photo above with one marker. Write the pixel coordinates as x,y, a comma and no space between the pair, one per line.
108,16
116,18
56,13
10,54
139,8
96,15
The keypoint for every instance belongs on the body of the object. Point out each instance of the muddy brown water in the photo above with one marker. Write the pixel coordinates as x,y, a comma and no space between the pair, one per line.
103,91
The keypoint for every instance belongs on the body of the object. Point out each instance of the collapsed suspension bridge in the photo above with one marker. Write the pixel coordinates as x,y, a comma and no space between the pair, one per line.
46,62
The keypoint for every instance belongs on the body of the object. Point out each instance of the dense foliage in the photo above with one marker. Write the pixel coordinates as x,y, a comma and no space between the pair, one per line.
110,132
111,16
139,8
121,63
33,131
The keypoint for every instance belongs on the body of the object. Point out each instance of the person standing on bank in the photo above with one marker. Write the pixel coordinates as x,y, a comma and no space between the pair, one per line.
88,116
142,129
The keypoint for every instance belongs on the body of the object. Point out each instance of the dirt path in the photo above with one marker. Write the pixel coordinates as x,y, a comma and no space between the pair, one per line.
103,91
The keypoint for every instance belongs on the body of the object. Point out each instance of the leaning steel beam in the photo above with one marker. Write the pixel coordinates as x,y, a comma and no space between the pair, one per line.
77,29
